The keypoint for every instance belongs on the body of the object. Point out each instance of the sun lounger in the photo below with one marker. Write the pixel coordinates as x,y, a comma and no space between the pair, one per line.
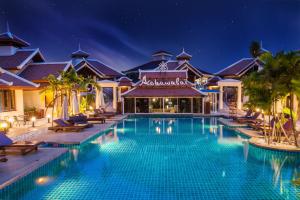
102,112
92,119
80,120
7,145
247,116
61,125
251,119
3,158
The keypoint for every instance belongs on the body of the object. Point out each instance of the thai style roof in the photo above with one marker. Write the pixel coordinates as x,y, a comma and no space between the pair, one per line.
213,81
9,79
125,81
100,68
9,39
39,71
161,52
164,74
163,92
20,58
240,67
183,56
147,66
80,53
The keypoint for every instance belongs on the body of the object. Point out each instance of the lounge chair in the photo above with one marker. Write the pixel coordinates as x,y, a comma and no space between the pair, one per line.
102,112
252,119
3,158
61,125
79,120
100,119
247,116
7,145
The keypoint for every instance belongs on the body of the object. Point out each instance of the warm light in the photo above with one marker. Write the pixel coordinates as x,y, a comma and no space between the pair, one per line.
11,119
43,180
257,109
4,125
33,119
154,100
167,99
48,116
91,108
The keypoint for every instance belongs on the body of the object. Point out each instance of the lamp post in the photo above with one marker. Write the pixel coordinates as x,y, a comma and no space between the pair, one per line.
4,126
33,119
11,121
48,118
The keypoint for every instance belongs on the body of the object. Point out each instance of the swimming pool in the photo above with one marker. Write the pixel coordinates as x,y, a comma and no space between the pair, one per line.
164,158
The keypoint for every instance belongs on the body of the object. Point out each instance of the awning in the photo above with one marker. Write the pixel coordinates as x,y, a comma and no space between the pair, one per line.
163,92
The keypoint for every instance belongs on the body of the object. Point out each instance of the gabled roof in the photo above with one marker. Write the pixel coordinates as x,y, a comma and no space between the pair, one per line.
9,39
80,54
125,81
183,56
8,79
239,67
39,71
20,58
213,81
192,68
161,52
98,67
147,66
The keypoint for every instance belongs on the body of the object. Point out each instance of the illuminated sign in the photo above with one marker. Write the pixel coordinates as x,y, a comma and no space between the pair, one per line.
157,82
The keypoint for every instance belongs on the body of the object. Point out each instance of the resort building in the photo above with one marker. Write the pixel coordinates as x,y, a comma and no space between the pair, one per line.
163,90
182,62
23,73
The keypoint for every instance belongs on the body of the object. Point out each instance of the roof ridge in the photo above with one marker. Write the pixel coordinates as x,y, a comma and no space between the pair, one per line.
18,77
231,65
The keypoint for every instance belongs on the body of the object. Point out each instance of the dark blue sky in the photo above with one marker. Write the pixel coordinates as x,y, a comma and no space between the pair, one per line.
125,33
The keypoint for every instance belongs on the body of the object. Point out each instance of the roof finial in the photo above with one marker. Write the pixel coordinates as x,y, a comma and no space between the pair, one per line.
183,50
261,46
79,48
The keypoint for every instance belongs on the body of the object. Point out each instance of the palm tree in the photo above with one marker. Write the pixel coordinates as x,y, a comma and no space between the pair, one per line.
255,49
289,79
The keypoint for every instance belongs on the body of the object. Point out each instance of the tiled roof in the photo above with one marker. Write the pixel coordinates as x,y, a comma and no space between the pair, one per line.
184,56
163,92
18,59
147,66
161,52
213,81
99,67
39,71
238,67
10,39
164,74
125,81
8,79
80,54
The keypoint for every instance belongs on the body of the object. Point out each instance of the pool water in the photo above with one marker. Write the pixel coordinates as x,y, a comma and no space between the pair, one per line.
165,158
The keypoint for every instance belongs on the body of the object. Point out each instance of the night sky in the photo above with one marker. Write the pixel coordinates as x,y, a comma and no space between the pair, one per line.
124,33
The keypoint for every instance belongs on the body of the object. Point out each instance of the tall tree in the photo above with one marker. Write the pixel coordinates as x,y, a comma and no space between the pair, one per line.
255,49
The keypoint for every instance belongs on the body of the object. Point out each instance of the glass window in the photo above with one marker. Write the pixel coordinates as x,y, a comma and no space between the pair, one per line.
142,105
129,105
197,105
156,105
7,100
171,105
184,105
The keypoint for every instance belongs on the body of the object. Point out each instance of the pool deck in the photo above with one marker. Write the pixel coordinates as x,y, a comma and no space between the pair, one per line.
257,138
19,166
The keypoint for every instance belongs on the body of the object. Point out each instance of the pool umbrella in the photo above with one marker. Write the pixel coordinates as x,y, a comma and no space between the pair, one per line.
75,105
65,113
4,140
102,103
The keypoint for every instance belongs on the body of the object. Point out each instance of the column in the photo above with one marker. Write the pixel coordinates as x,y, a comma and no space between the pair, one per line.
221,98
119,94
203,105
122,100
239,98
97,98
115,98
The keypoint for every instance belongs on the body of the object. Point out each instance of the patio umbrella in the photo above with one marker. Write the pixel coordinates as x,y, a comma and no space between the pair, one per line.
65,113
4,140
75,105
102,102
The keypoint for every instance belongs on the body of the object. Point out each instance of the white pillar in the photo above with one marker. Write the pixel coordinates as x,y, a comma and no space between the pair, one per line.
221,98
115,98
203,105
97,99
119,94
122,100
239,98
